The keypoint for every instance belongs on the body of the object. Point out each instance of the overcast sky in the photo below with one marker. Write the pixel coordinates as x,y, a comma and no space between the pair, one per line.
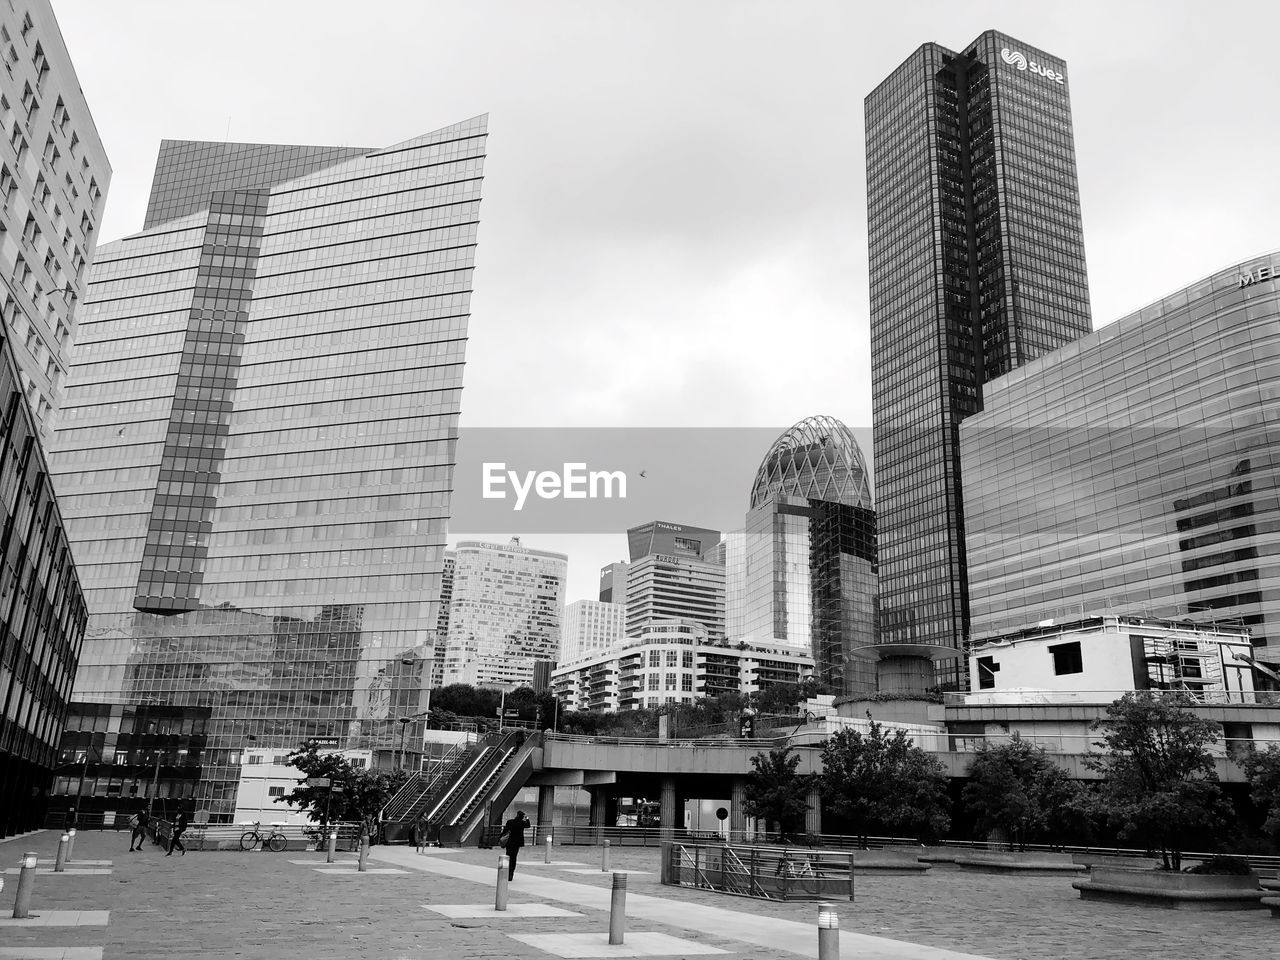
673,230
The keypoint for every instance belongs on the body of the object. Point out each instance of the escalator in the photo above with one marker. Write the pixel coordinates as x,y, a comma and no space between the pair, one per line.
489,794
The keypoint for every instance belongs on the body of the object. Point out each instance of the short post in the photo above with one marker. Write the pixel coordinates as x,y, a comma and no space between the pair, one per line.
548,857
828,932
333,845
364,853
604,858
61,862
71,842
618,908
853,862
500,894
26,883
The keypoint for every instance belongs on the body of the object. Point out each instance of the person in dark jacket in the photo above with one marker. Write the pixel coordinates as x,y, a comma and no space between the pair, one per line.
175,839
513,830
139,830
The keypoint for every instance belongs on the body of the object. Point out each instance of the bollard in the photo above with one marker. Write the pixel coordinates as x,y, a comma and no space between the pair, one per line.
618,908
828,932
604,858
61,862
364,854
548,857
500,893
71,842
333,845
26,883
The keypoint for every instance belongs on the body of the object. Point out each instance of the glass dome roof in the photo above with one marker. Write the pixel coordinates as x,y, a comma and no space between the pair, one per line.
817,459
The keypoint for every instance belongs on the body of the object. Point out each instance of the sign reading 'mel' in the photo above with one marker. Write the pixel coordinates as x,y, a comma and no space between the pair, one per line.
1269,272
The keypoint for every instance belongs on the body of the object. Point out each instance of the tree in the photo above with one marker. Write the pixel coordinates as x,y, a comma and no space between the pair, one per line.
361,793
883,780
1158,779
1263,770
1014,787
777,794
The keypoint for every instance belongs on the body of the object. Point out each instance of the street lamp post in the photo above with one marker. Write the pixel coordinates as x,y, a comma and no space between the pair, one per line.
404,726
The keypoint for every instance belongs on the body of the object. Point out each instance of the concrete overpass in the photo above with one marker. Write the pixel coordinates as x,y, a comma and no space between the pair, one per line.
675,770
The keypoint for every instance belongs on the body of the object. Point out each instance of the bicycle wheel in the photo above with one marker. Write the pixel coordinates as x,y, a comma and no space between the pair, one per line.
249,840
277,842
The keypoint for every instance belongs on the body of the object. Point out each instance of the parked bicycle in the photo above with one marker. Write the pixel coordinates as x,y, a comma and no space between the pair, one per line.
251,839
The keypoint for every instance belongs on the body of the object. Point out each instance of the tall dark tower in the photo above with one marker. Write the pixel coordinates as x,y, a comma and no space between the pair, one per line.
976,267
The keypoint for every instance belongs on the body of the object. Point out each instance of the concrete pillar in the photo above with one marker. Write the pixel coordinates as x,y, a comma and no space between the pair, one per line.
598,811
667,801
813,815
737,805
546,809
905,675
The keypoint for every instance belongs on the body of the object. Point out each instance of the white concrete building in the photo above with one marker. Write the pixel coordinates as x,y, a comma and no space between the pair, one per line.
674,661
266,775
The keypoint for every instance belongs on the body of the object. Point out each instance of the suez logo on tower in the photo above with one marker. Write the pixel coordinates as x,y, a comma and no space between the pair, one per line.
1017,59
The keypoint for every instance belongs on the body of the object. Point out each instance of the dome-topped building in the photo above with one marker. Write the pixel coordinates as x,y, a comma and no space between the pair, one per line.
803,570
817,459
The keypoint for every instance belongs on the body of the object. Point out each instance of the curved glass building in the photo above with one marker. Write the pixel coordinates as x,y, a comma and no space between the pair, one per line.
817,459
1137,470
802,571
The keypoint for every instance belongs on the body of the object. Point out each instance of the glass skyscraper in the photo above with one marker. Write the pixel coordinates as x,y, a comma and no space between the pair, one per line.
976,267
53,182
258,436
803,570
1134,472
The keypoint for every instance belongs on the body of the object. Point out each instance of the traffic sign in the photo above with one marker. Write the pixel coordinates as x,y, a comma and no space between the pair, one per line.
318,781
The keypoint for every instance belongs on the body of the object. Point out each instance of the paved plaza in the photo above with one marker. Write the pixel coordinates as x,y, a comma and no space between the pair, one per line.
439,905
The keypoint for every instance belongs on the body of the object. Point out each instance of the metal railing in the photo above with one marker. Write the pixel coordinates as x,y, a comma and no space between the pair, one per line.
1017,698
232,836
759,872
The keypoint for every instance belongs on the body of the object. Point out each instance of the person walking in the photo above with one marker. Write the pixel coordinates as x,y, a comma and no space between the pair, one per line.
175,839
138,824
512,840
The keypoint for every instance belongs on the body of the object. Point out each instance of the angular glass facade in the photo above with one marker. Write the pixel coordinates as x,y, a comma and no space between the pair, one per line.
803,569
1136,471
505,613
258,440
976,267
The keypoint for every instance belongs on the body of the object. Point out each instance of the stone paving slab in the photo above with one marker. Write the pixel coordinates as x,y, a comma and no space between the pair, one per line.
50,953
58,918
77,861
554,863
639,944
66,871
486,910
356,872
611,870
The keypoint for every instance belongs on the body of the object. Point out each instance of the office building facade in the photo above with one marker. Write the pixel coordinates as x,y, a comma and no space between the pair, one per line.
1135,471
590,626
976,267
667,587
613,583
116,759
53,183
505,614
802,572
257,439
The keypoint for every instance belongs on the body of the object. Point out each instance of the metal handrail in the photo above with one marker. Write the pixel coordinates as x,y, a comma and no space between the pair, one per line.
1032,698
